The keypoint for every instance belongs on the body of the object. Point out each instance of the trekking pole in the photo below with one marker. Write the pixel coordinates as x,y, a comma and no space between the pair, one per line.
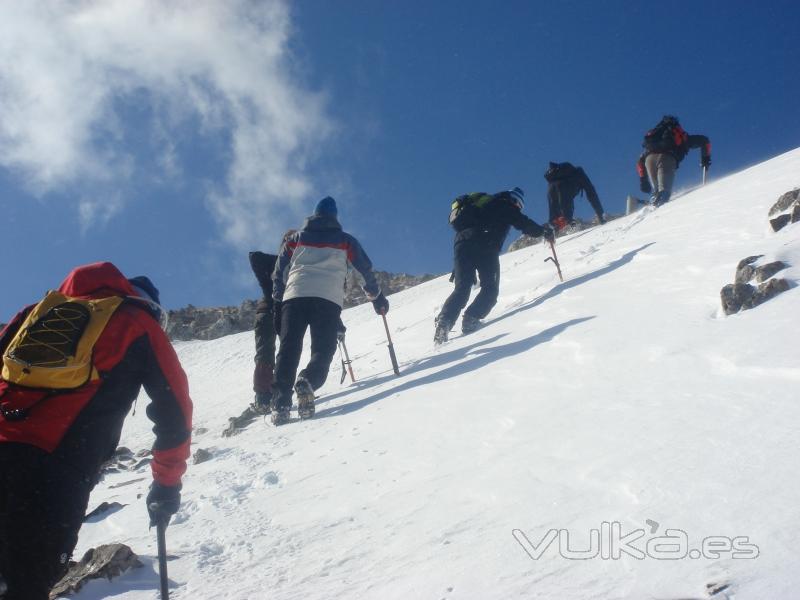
391,346
161,532
346,362
554,258
705,170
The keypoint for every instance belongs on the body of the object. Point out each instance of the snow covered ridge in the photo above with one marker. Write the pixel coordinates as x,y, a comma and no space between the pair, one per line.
622,400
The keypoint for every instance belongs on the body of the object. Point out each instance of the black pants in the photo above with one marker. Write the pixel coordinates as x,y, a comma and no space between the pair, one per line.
560,204
469,259
265,349
297,315
42,504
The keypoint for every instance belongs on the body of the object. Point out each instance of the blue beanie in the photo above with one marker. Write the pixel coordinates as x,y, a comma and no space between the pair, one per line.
326,207
518,195
143,284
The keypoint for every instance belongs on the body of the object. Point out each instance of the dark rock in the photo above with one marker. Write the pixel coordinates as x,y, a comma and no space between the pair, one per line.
745,269
199,431
780,222
734,296
743,296
103,509
768,290
124,459
201,455
796,213
107,561
785,202
237,424
142,463
764,272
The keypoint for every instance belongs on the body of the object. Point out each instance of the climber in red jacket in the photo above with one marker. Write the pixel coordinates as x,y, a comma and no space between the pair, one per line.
54,437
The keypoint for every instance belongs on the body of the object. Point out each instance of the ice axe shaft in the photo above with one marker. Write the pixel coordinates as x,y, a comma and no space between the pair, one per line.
161,533
392,355
705,170
346,362
554,258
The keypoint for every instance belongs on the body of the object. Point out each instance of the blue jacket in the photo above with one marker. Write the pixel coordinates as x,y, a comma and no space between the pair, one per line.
313,263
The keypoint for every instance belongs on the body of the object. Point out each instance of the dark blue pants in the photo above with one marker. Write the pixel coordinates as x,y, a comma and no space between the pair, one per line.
322,317
472,258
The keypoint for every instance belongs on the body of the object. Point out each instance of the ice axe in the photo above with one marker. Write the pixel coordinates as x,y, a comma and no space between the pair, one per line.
705,170
346,362
161,536
392,355
554,258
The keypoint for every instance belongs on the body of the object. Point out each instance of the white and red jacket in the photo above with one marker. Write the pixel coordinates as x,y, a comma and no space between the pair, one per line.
313,263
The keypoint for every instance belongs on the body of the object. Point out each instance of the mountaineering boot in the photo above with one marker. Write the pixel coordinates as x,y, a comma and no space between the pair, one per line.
305,398
443,328
660,198
280,416
261,403
470,324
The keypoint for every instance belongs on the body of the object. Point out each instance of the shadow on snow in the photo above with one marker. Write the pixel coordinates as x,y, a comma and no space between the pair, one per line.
477,355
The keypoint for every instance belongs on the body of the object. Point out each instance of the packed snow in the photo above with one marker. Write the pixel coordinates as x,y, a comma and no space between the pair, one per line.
621,396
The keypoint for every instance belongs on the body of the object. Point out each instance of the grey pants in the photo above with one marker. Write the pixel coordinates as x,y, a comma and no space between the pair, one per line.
661,171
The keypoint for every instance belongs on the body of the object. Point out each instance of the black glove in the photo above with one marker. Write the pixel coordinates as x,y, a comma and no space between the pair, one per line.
381,304
276,317
644,185
548,233
705,161
162,502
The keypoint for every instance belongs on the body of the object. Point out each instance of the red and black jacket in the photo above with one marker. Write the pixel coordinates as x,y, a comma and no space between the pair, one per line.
83,426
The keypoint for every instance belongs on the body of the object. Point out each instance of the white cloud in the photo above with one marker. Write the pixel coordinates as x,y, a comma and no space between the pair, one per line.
68,67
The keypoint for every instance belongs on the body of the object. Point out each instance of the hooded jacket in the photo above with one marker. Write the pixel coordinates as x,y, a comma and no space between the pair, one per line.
313,263
82,426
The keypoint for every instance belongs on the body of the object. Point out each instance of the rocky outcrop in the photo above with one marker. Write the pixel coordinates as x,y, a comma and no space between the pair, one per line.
124,460
524,241
785,202
201,455
104,562
787,209
103,509
192,323
742,295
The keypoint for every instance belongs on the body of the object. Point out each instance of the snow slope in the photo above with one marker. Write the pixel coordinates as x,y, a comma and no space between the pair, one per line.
622,395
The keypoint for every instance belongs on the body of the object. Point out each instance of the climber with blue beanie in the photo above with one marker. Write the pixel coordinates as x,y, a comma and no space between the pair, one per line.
481,222
308,293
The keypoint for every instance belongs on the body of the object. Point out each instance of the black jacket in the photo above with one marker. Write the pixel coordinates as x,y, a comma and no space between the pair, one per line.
263,265
494,221
565,181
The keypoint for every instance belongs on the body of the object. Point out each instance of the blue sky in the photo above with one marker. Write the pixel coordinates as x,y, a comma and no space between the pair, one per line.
171,141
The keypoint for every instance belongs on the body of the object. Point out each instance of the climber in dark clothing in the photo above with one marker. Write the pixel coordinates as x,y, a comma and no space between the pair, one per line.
564,182
263,265
482,222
